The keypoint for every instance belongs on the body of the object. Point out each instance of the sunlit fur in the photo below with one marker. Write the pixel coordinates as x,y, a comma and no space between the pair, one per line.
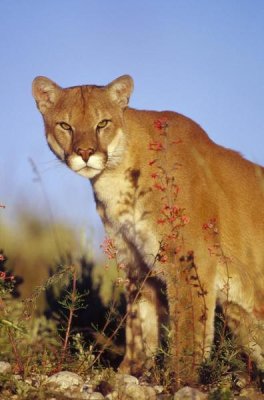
214,182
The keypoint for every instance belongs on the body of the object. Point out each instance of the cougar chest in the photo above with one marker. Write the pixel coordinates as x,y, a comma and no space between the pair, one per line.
124,206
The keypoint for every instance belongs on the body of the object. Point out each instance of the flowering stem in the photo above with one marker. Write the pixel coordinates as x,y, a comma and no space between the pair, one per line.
73,298
16,352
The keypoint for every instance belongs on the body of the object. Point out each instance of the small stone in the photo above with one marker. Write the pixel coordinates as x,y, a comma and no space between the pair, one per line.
241,380
64,380
17,377
133,391
125,379
112,396
87,388
150,393
158,389
95,396
188,393
5,367
251,394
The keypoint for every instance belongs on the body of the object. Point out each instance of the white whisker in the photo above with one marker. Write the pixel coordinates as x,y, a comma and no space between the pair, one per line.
52,167
48,162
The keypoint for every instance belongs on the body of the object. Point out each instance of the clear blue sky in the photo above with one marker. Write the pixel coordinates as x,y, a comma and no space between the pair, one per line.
203,58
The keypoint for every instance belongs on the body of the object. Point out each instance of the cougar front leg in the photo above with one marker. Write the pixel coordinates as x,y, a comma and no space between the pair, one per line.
146,312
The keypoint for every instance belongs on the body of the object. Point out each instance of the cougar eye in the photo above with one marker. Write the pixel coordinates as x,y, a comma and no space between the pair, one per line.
65,126
103,123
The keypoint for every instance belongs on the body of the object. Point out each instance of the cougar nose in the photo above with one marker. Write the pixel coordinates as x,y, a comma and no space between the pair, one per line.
85,153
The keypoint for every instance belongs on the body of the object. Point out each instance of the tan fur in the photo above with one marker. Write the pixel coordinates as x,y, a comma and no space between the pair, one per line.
214,182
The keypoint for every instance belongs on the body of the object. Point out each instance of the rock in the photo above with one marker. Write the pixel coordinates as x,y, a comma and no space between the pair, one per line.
28,381
121,379
95,396
18,377
87,388
64,380
150,393
112,396
251,394
132,391
188,393
158,389
241,380
5,367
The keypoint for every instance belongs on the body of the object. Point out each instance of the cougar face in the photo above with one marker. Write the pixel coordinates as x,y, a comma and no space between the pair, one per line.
84,124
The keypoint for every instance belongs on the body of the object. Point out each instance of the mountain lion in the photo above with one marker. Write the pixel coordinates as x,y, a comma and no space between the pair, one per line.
186,216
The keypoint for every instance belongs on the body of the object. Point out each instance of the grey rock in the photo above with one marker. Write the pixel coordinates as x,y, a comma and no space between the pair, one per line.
18,377
87,388
158,389
29,381
251,394
150,393
132,391
241,380
95,396
121,379
112,396
5,367
188,393
64,380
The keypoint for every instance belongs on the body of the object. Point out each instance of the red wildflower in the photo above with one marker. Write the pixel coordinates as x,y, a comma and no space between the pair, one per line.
2,275
185,219
159,187
176,188
151,162
211,224
109,248
121,267
173,236
121,281
161,221
156,146
163,258
175,209
161,123
154,175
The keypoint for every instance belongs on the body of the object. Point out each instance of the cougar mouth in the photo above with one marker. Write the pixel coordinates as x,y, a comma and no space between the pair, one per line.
88,172
88,169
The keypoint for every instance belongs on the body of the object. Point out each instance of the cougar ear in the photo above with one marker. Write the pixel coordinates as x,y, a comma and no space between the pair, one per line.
45,92
120,90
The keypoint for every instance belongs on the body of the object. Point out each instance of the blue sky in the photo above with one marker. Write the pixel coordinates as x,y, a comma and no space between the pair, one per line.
202,58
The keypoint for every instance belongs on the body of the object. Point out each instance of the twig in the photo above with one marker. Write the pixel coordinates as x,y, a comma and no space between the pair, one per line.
73,298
